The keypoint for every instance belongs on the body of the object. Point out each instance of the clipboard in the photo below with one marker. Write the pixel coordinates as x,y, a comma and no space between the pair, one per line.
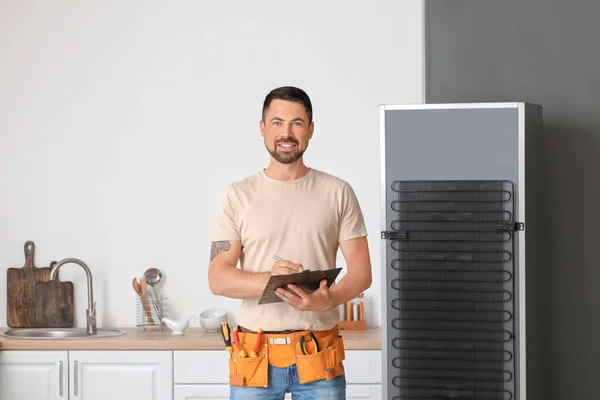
307,280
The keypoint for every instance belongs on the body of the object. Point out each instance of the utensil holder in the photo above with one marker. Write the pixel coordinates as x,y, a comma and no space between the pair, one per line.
149,312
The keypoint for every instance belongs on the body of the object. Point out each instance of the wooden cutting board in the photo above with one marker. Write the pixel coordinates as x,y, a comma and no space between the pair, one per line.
21,283
54,304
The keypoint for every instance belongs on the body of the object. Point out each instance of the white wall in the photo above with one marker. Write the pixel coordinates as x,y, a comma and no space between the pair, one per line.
122,123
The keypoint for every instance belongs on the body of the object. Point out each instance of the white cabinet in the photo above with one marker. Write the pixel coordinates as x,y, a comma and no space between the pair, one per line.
201,375
148,375
363,374
121,375
86,375
34,375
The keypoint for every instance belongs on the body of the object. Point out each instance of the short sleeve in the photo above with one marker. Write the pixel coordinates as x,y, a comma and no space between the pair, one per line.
225,226
352,222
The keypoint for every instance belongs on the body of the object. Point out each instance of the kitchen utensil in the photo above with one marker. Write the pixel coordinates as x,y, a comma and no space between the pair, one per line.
54,304
212,318
21,283
153,277
146,300
156,303
138,287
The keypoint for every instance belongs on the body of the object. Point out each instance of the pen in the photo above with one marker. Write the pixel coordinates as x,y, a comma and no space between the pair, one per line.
280,259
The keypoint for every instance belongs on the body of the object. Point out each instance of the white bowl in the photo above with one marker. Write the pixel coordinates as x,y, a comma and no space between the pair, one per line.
211,319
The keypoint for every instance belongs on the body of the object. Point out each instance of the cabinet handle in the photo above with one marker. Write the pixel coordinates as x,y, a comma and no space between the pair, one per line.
60,379
75,375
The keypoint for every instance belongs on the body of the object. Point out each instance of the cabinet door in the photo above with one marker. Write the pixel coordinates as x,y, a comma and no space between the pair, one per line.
121,375
34,375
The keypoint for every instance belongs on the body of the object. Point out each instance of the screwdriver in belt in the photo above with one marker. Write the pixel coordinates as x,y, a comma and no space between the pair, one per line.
226,335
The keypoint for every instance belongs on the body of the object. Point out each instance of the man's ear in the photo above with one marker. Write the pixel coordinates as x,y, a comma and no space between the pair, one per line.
311,129
262,128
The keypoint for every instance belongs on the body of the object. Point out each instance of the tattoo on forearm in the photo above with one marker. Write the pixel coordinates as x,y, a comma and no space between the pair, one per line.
218,248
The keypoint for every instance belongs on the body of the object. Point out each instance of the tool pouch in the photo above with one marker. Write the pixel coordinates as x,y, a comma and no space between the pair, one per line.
248,371
326,364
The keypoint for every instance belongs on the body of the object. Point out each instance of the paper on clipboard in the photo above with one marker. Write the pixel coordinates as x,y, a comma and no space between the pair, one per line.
307,280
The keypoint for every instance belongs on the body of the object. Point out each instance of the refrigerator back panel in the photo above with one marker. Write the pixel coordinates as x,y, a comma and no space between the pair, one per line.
451,200
453,323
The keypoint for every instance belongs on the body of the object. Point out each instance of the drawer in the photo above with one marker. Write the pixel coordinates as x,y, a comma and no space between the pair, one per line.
213,392
364,392
200,366
363,366
200,392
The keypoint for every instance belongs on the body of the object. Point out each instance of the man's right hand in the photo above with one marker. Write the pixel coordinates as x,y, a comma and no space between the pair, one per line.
284,267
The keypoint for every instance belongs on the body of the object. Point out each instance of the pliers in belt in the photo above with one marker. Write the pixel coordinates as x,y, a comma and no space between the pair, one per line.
254,352
238,343
303,343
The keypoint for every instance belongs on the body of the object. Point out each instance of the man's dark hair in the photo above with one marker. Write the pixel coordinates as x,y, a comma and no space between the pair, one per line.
288,93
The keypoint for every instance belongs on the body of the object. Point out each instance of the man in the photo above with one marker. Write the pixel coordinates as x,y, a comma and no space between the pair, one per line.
302,216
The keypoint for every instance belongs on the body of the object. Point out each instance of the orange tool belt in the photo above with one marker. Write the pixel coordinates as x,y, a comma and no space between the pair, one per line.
252,352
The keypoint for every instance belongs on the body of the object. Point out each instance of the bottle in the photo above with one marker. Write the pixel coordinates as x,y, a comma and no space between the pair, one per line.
361,310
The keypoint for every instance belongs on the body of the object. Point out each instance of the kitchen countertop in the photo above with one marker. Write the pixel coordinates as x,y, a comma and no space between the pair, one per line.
155,339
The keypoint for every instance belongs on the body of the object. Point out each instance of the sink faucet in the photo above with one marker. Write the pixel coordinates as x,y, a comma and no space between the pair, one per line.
91,311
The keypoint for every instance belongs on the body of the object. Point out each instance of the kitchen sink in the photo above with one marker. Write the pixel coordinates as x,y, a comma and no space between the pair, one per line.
90,331
61,333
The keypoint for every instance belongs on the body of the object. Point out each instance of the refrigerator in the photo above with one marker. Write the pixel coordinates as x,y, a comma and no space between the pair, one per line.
462,250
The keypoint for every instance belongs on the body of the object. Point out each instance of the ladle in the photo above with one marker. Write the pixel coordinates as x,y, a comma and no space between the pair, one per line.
153,277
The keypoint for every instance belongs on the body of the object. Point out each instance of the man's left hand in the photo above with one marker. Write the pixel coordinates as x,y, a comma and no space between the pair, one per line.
319,300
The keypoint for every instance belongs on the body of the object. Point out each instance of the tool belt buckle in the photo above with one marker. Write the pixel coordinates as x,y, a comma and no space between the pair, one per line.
286,340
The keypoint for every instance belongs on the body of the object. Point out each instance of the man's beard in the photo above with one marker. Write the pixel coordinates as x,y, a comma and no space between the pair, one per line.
286,157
